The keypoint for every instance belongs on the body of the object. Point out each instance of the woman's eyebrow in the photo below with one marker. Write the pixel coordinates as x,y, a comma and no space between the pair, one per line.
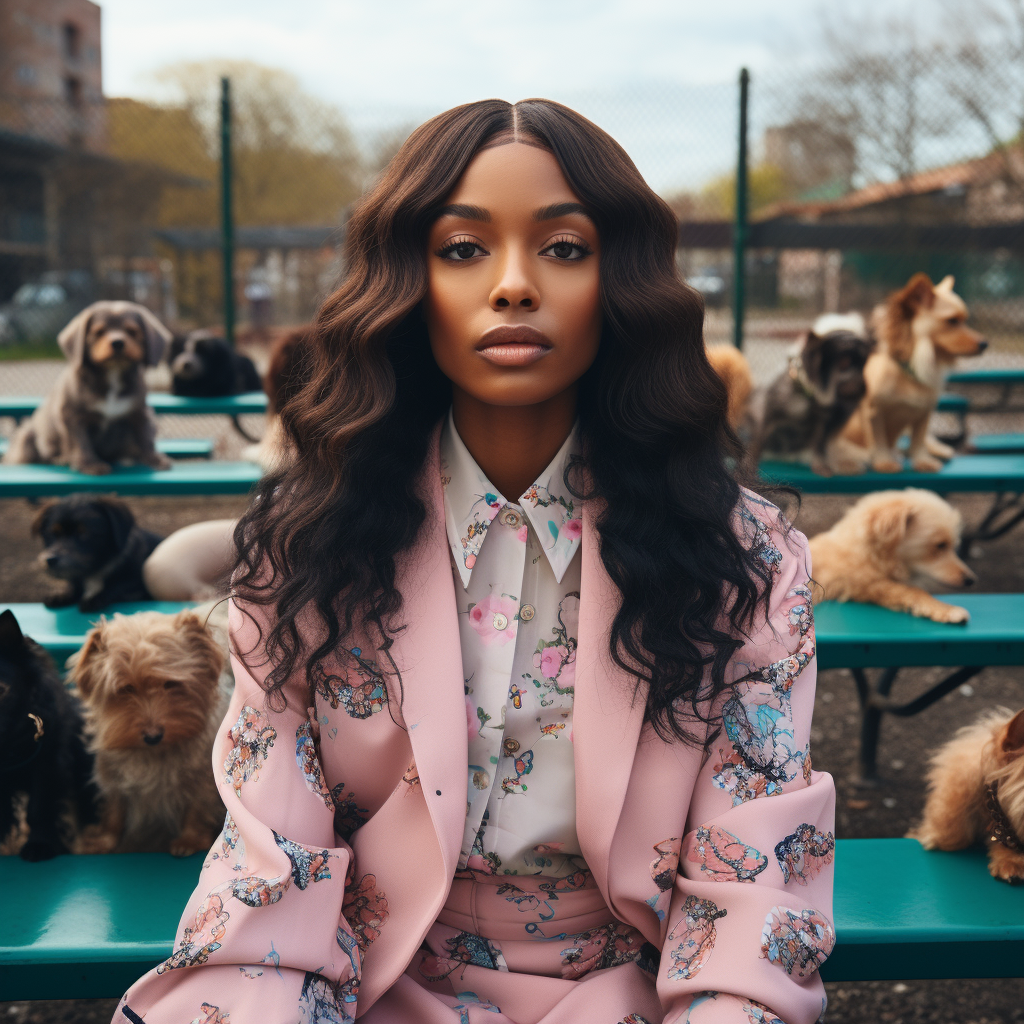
466,212
559,210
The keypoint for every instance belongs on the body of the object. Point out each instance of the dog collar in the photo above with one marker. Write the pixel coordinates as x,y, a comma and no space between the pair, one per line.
799,376
1002,830
908,370
38,722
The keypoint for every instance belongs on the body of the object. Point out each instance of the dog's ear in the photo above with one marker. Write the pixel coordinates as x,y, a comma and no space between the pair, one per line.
946,284
812,355
199,638
39,523
120,517
11,637
889,523
918,294
157,336
1014,737
72,338
81,667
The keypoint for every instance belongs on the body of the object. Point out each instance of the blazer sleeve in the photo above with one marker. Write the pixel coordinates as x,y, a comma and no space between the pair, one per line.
263,939
750,921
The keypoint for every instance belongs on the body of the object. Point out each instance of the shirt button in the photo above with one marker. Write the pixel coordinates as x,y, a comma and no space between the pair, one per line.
527,612
510,747
511,518
500,621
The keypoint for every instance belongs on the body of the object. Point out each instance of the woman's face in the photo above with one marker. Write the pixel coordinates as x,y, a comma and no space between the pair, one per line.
513,302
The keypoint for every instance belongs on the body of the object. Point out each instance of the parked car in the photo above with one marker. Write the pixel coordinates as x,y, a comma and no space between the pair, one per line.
39,309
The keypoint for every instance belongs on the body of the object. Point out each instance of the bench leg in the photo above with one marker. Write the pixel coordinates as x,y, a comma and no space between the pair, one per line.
1006,512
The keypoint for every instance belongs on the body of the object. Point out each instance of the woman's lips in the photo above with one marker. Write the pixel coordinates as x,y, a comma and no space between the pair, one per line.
517,345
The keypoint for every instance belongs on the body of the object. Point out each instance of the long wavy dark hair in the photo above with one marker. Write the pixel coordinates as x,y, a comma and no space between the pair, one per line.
322,537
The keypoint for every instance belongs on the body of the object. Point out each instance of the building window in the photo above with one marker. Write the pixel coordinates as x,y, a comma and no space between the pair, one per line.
73,90
72,40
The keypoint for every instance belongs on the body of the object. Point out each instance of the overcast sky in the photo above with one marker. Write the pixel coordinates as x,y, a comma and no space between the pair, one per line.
657,74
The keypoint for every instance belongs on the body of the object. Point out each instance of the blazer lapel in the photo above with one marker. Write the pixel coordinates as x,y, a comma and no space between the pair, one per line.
428,655
606,719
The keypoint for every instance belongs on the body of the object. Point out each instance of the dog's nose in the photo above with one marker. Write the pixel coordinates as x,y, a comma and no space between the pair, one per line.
117,345
52,560
153,738
970,579
982,345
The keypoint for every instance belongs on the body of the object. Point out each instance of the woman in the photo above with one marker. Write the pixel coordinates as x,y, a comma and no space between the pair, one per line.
550,750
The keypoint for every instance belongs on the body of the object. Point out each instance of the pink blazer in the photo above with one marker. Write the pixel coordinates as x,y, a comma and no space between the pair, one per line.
333,865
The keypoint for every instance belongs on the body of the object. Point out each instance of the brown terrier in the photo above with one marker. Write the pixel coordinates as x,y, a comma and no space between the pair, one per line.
976,793
920,330
153,696
885,547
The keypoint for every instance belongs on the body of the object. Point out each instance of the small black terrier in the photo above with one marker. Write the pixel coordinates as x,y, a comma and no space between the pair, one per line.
43,754
204,365
94,544
809,403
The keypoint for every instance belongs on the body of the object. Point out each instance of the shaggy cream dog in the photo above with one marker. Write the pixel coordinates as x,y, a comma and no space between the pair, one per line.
886,547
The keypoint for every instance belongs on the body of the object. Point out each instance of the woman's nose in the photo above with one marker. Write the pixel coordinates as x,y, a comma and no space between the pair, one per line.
515,286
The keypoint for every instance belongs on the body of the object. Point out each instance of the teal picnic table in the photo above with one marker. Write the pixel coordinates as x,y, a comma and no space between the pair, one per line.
84,927
862,636
161,402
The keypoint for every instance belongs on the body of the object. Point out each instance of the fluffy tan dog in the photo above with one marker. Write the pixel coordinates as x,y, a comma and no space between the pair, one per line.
976,793
731,365
154,697
193,564
920,331
885,547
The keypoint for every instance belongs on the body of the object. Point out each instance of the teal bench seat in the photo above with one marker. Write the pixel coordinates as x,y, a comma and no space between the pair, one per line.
88,926
955,404
988,375
172,447
251,402
997,444
194,478
969,473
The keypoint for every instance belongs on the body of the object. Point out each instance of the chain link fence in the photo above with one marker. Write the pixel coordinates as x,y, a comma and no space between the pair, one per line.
865,167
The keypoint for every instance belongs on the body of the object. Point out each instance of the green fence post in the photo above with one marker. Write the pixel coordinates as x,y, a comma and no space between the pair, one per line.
227,221
740,228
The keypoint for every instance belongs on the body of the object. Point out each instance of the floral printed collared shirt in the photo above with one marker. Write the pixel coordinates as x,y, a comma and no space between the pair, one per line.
517,583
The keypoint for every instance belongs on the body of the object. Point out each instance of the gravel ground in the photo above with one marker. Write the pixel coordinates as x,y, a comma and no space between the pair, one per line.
886,811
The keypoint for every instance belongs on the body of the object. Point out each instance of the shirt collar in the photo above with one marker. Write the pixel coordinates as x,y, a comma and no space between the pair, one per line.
471,502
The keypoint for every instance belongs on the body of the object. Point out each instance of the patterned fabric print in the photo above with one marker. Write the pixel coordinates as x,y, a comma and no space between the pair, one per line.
232,846
252,736
799,613
522,765
555,660
359,700
634,1018
696,927
257,892
804,853
467,999
759,533
663,871
318,1002
348,815
699,999
594,950
725,857
798,941
307,865
308,761
758,1013
366,909
564,523
348,992
462,949
201,938
210,1015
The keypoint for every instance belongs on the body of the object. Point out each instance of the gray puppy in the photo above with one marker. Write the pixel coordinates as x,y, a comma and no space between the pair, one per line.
96,414
810,402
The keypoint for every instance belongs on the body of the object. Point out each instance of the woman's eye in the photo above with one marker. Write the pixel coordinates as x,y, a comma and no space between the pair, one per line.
459,252
563,249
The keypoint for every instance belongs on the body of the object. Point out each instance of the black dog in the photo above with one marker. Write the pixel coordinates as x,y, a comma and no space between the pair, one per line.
42,750
204,365
94,544
809,403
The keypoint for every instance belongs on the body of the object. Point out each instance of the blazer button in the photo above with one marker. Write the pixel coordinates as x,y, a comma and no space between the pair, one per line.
527,612
510,747
500,621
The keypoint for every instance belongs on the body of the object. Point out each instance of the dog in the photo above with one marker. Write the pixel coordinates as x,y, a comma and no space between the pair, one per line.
204,365
95,545
807,406
194,563
96,414
42,749
885,546
976,793
154,695
921,330
290,368
731,365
